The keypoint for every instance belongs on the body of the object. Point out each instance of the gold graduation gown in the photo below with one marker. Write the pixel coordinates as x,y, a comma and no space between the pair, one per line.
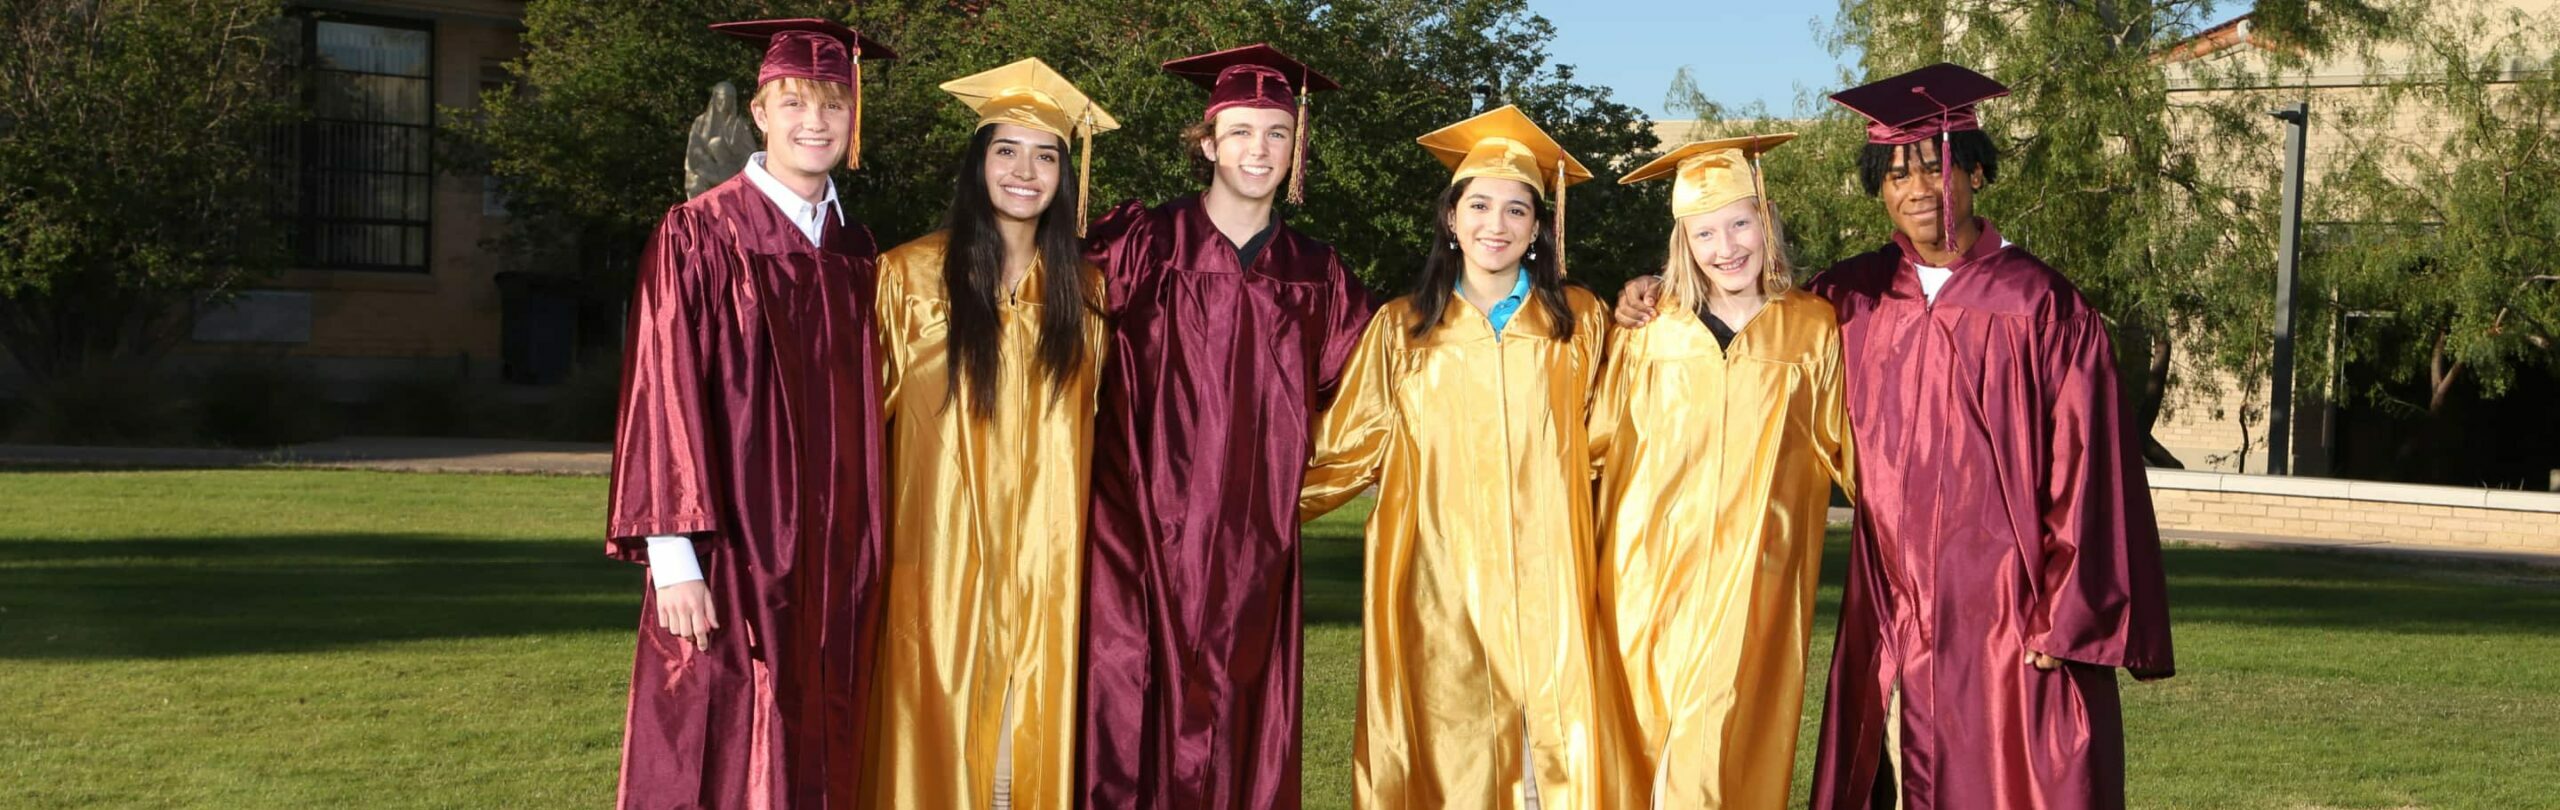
1716,472
986,571
1482,645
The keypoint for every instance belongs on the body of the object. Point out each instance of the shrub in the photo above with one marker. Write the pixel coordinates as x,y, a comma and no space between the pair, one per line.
113,405
262,403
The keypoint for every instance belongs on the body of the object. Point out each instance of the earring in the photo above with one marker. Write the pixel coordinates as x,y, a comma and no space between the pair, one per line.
1533,254
1453,244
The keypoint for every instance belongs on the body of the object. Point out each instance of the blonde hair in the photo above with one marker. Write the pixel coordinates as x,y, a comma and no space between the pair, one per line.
810,89
1685,282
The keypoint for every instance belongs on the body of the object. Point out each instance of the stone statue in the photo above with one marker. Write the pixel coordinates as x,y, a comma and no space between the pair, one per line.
719,143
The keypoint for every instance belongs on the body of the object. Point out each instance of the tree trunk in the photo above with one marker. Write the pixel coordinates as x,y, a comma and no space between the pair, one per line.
2422,451
2154,391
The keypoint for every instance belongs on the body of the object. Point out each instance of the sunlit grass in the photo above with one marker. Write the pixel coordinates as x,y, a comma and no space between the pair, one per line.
303,638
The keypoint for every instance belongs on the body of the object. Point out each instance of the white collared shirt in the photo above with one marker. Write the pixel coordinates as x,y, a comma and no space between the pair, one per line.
811,217
1931,278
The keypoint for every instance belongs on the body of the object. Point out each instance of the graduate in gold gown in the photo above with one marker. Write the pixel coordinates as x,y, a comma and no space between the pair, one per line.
992,339
1486,677
1721,430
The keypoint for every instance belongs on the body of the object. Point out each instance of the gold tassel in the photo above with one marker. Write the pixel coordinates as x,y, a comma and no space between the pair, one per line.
1084,170
1560,183
1770,246
853,148
1298,154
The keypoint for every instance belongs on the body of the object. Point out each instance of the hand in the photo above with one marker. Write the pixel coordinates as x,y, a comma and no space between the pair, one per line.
684,611
1638,300
2042,661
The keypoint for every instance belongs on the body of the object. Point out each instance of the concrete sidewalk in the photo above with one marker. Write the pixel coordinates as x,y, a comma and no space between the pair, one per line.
390,453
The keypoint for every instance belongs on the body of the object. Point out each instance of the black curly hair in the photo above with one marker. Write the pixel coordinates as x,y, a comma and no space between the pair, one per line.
1972,150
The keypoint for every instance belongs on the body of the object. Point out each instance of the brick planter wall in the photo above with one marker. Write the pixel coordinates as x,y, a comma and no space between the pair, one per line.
2356,510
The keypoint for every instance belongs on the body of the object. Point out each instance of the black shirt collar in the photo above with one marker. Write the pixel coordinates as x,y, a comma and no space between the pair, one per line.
1723,333
1252,248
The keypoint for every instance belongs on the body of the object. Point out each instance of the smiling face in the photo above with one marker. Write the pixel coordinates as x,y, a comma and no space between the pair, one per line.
1729,246
1252,148
1022,170
1495,221
807,126
1916,197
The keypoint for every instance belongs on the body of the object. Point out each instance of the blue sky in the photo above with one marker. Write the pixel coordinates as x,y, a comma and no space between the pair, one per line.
1741,51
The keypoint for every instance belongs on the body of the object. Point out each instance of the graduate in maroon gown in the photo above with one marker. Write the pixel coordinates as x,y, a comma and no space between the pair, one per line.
747,461
1228,332
2005,560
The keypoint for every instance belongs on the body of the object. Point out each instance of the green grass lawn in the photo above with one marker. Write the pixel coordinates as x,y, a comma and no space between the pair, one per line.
289,639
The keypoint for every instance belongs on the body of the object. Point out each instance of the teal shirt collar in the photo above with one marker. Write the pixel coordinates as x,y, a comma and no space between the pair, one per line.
1502,311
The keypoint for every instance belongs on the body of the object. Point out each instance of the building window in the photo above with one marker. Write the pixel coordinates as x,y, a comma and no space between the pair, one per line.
365,182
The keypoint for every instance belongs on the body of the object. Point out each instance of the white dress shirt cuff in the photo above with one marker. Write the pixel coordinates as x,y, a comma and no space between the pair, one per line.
671,560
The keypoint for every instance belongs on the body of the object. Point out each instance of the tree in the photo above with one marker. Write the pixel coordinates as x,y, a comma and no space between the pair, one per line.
2138,203
591,144
2455,217
132,181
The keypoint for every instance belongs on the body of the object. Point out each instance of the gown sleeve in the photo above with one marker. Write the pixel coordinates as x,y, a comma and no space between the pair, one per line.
1347,314
1609,401
2104,595
663,469
1591,336
889,308
1838,454
1352,437
1119,244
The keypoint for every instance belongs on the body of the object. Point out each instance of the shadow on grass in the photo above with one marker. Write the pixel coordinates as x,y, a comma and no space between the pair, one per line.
162,598
2310,590
1329,574
2327,591
165,598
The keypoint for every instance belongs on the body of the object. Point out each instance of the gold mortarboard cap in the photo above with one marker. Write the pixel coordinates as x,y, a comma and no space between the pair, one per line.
1504,143
1030,94
1711,174
1707,176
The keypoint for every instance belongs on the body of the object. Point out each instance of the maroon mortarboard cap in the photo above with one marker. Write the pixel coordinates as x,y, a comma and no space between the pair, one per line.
1921,104
817,50
823,50
1258,76
1252,76
1930,103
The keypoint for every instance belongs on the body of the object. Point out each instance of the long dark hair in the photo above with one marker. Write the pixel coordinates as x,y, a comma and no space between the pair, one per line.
1442,266
973,264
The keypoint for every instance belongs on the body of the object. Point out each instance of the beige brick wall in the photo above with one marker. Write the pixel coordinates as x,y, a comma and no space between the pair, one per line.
2200,422
2349,109
452,310
2342,519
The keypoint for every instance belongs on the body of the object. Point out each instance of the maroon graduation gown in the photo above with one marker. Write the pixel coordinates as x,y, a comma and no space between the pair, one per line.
2002,508
1215,376
751,420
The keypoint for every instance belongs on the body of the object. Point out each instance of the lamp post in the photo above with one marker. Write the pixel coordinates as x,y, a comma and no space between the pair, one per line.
2288,256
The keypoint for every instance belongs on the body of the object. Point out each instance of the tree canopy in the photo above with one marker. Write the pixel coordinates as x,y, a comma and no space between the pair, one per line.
133,176
591,142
